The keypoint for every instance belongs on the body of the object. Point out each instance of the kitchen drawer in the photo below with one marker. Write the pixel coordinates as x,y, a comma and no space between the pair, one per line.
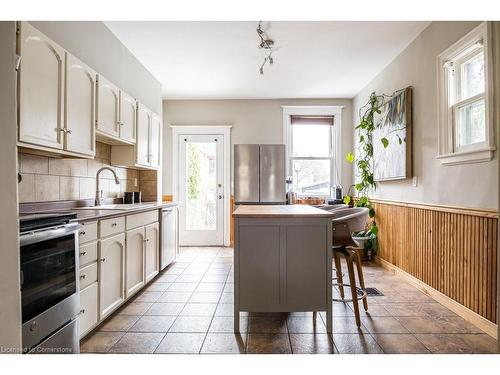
88,232
88,253
88,308
88,275
109,227
144,218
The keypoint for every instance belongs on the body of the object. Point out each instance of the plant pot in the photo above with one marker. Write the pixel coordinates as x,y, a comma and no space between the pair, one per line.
360,241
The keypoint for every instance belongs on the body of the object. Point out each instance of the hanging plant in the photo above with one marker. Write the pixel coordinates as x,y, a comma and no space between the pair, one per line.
363,159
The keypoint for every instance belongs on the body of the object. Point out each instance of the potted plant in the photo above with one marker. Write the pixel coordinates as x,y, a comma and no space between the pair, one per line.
363,160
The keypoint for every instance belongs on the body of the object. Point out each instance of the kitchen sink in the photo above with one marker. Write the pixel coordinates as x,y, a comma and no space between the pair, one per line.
131,206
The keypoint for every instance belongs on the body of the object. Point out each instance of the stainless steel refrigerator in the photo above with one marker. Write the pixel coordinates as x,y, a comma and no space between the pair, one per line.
259,174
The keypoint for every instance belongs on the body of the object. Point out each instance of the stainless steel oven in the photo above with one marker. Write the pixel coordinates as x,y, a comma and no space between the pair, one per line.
49,283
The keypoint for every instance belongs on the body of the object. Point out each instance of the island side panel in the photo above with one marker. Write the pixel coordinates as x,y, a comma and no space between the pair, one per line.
236,266
306,274
259,266
276,273
329,245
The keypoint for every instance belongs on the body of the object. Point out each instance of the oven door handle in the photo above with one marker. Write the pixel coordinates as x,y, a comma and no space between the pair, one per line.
48,233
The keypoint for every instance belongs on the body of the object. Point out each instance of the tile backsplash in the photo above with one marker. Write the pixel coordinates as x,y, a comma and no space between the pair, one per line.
53,179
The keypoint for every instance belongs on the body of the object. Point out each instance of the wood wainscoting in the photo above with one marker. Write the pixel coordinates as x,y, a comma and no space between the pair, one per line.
452,250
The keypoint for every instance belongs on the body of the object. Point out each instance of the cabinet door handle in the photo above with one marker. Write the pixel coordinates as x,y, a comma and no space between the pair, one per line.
68,131
82,233
103,259
114,224
82,254
82,277
82,311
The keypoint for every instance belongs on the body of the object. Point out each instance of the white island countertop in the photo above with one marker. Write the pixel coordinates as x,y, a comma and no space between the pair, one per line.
294,210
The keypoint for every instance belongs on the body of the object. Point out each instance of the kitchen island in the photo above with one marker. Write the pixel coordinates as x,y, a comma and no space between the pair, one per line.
282,260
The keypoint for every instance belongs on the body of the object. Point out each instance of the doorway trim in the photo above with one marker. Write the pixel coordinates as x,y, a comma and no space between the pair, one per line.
225,131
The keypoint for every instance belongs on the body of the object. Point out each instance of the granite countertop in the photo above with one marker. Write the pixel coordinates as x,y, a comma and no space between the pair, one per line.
90,214
278,211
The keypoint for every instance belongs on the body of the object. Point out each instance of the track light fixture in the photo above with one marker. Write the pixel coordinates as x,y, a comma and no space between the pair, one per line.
266,44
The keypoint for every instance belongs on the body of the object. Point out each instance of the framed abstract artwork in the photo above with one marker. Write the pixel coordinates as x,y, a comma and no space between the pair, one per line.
393,157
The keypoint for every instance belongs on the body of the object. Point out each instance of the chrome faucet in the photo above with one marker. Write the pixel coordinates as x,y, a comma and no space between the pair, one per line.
98,193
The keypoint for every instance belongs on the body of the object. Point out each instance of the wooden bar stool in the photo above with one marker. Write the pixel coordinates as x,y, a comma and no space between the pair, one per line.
346,222
352,257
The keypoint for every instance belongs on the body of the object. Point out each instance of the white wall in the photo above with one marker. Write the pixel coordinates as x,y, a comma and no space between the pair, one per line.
94,44
469,185
253,121
10,296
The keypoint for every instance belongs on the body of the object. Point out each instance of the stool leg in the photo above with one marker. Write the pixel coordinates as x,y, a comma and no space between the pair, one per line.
315,314
338,271
352,282
360,277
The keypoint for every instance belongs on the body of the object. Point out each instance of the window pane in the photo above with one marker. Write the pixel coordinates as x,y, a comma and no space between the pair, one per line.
471,123
311,177
473,76
311,140
201,186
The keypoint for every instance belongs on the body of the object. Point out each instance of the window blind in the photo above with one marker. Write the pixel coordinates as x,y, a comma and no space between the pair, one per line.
311,120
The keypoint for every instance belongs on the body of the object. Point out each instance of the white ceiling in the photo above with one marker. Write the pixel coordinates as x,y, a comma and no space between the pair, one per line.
221,60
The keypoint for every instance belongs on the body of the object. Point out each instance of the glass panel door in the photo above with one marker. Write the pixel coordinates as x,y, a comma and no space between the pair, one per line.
200,190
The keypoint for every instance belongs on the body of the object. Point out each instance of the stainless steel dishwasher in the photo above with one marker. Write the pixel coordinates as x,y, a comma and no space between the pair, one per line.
169,235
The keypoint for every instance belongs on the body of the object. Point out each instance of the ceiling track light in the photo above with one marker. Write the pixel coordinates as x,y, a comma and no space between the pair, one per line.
267,44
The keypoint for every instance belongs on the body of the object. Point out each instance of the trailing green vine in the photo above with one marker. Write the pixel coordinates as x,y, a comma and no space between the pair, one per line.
364,159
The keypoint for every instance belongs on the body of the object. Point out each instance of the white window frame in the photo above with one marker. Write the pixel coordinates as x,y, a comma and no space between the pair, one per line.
335,143
449,93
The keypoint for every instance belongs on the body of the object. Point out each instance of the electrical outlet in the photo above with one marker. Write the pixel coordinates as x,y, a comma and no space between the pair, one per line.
135,182
414,181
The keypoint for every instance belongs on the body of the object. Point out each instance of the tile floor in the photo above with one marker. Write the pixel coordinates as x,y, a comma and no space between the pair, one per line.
188,309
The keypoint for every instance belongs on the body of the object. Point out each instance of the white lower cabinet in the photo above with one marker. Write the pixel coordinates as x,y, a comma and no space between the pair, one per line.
89,312
152,250
134,269
111,274
121,262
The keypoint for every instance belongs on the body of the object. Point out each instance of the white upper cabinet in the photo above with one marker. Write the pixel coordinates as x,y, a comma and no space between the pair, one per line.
108,103
128,117
154,141
41,79
145,154
79,107
142,145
